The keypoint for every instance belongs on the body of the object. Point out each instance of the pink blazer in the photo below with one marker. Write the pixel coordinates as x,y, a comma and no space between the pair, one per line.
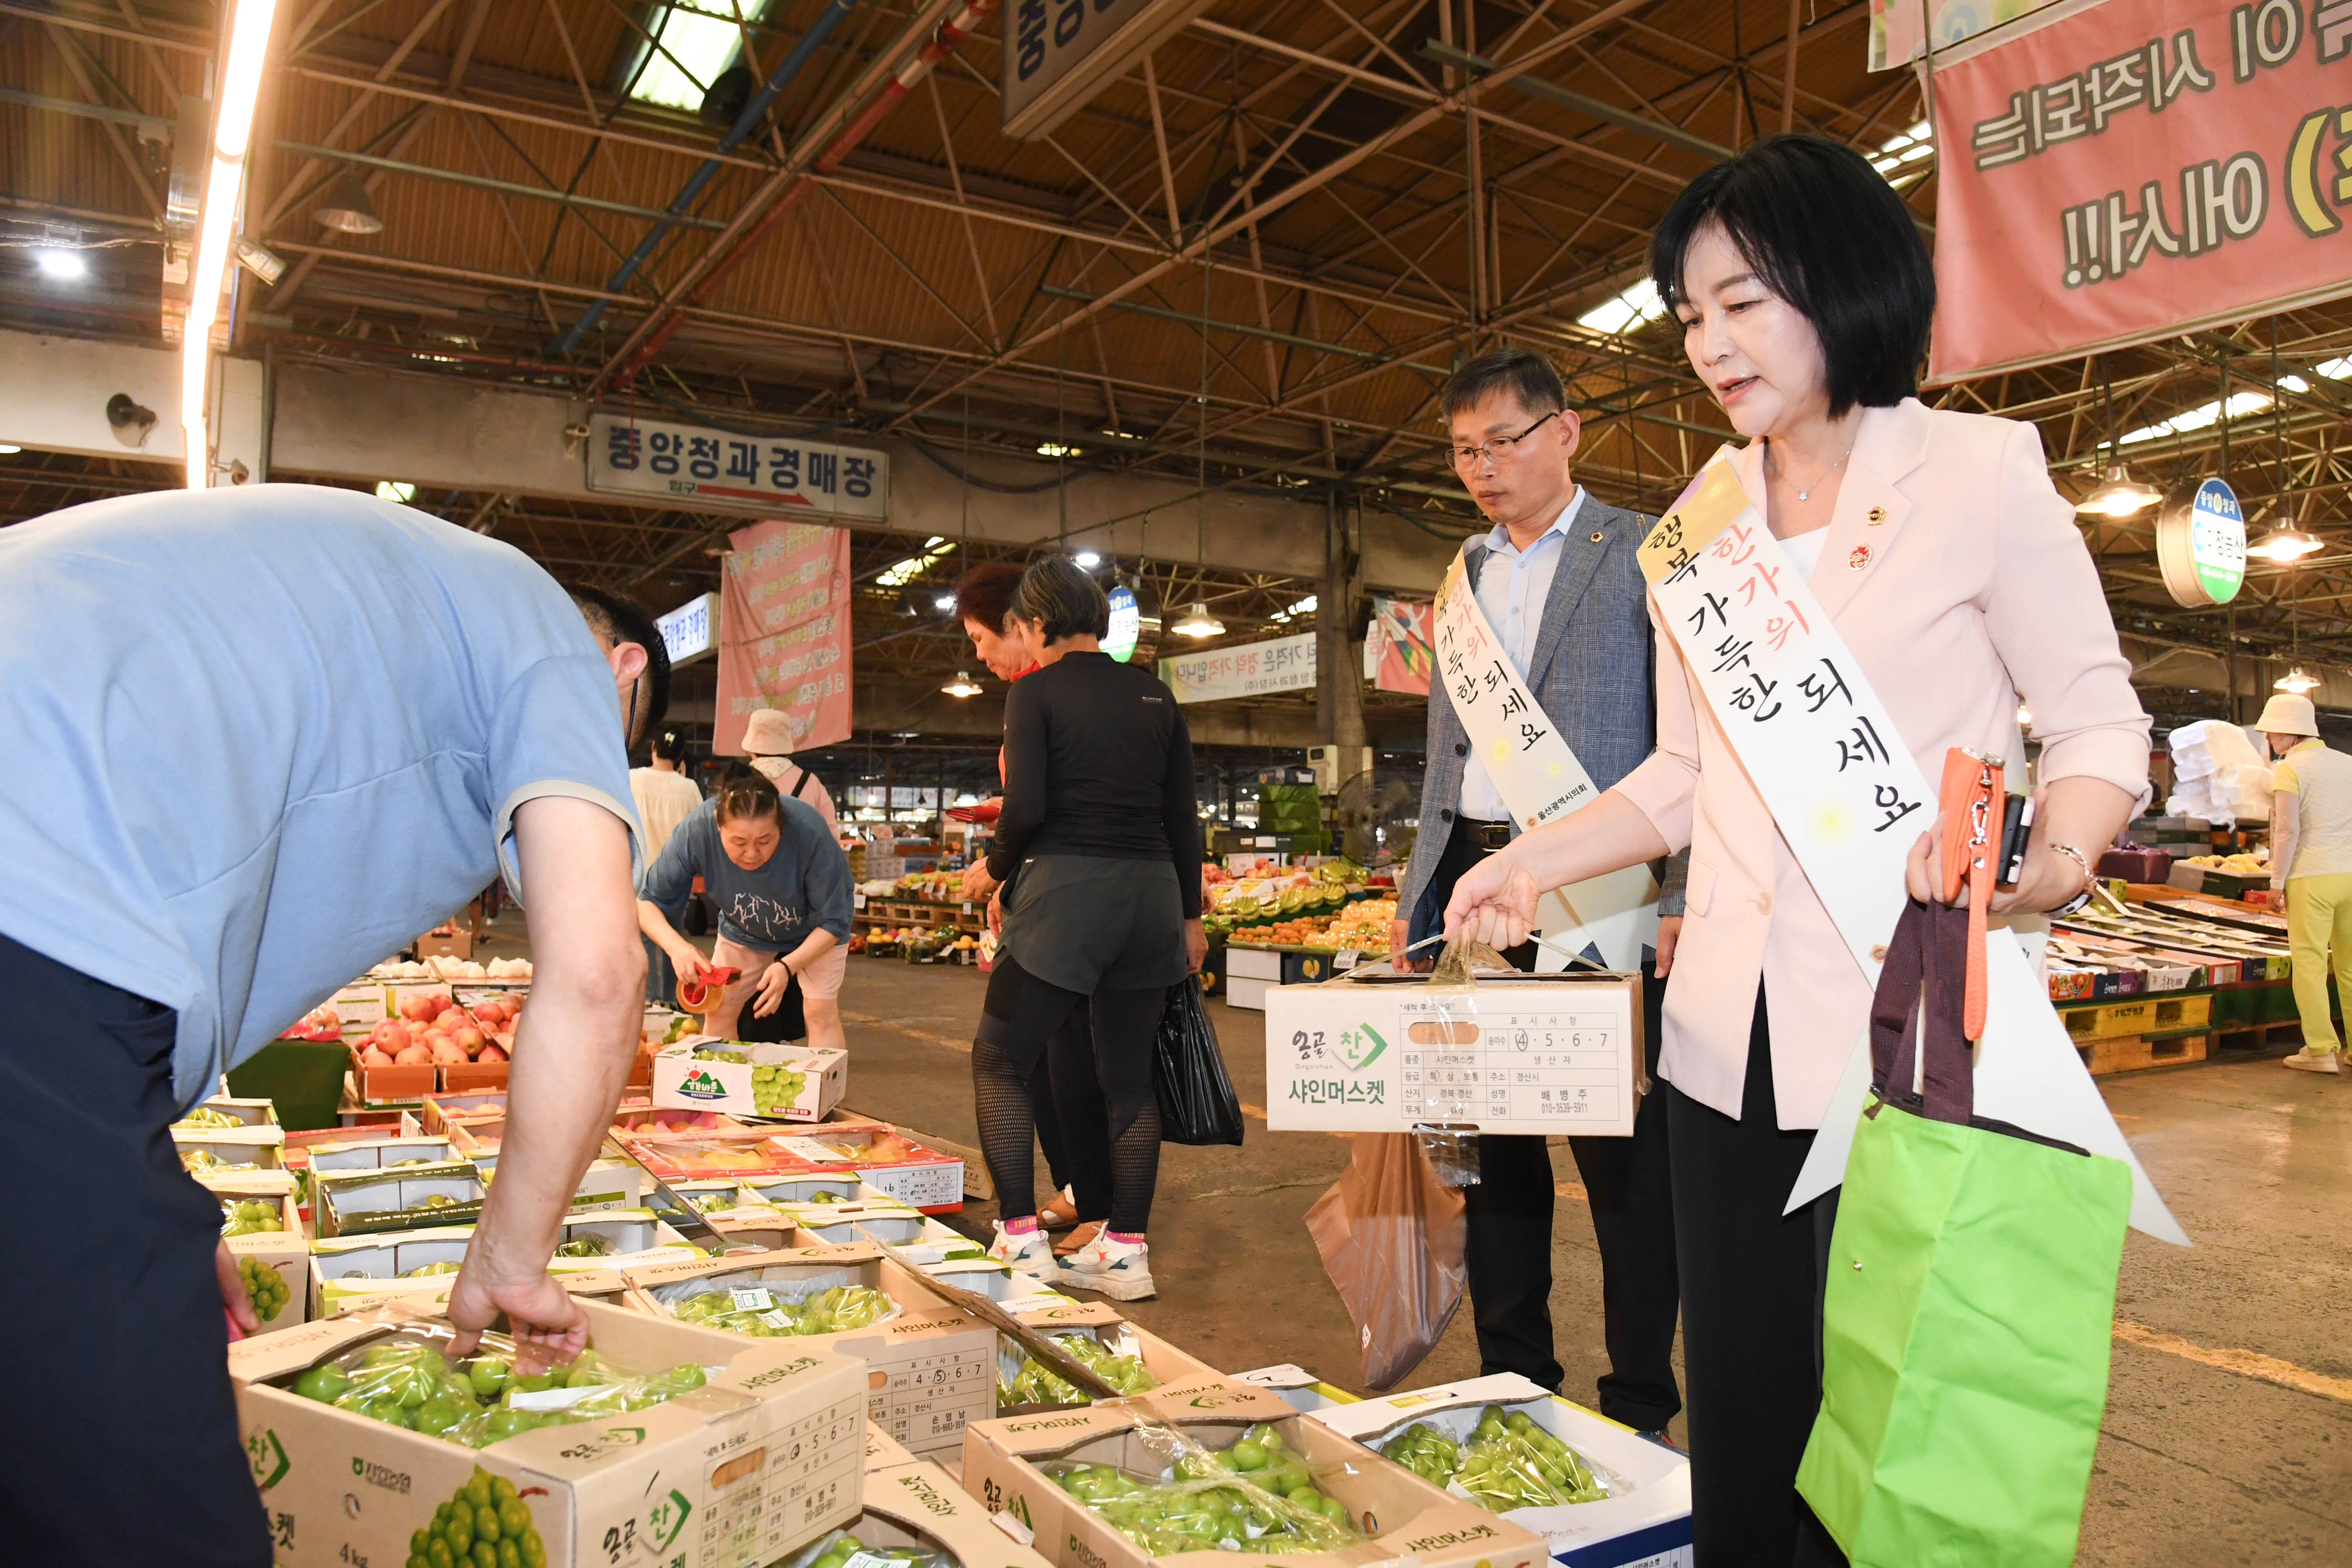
1955,573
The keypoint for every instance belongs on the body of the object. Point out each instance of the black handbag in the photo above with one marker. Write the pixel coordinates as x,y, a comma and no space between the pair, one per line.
1197,1104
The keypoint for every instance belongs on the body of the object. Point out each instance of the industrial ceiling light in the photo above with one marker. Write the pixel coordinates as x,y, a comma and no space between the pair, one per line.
961,686
2117,494
1199,623
1088,559
240,86
2295,680
62,263
2285,544
261,262
346,208
944,602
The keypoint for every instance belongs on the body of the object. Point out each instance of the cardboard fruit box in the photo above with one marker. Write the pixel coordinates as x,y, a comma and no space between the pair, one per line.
247,1112
1518,1053
1298,1388
1645,1520
685,1082
765,1459
1401,1515
347,1201
917,1236
885,1160
260,1147
605,1284
284,1251
348,1271
377,1153
440,1113
917,1505
932,1368
1164,1363
750,1156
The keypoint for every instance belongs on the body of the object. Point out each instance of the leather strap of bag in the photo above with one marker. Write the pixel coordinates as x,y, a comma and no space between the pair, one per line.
1926,976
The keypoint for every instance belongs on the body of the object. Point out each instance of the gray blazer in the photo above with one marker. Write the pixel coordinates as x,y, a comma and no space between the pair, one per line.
1591,673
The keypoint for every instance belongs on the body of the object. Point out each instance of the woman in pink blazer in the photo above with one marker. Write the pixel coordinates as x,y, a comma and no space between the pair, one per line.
1955,573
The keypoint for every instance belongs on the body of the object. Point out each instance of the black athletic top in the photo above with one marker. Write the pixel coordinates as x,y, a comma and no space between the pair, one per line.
1099,760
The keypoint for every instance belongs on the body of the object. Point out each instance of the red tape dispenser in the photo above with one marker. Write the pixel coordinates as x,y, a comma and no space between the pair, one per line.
1974,805
701,993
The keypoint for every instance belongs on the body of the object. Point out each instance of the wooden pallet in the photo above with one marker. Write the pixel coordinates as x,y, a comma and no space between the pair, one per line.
2151,1015
2134,1053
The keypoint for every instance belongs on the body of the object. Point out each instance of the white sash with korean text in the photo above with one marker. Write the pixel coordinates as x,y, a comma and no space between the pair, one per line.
1850,799
1538,777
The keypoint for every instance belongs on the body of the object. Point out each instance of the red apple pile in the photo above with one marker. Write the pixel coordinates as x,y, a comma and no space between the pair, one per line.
435,1029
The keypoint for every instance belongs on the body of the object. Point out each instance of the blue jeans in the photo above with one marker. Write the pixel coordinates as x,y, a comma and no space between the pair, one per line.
661,975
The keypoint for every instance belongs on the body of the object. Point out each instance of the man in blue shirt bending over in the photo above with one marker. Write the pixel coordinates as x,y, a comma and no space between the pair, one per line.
251,741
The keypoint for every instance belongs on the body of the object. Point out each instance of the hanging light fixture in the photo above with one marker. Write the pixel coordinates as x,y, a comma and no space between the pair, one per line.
346,208
961,686
216,214
1199,623
2295,680
2117,494
2285,544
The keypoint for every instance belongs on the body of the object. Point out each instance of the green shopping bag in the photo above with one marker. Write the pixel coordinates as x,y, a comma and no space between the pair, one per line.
1971,1290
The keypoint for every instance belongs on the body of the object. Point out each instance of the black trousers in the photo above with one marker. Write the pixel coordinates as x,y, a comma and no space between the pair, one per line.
1509,1222
128,1449
1752,1281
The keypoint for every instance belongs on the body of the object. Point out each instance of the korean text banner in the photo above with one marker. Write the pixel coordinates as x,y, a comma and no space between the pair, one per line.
1895,25
783,633
653,457
1285,664
1398,648
2138,169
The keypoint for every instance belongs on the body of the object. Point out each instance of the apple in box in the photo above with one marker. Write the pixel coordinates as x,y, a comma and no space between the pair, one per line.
766,1457
774,1082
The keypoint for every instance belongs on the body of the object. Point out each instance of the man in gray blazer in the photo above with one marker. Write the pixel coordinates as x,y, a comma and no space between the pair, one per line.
1557,580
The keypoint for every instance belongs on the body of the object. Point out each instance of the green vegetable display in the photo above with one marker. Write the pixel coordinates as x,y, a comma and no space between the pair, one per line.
408,1383
485,1524
1035,1384
264,1287
246,1217
1508,1462
1255,1496
765,1313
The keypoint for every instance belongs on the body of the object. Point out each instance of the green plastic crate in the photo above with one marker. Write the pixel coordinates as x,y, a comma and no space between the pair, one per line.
304,1078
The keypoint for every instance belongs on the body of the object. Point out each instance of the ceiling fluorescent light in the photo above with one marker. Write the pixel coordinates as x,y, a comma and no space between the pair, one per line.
240,86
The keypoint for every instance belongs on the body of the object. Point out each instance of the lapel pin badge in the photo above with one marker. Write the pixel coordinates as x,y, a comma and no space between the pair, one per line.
1596,536
1860,558
1877,514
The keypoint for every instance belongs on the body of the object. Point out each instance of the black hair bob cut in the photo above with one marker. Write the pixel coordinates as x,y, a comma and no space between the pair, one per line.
1826,233
1062,600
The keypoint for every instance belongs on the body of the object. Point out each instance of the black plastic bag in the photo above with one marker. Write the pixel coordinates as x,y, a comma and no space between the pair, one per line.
788,1022
1197,1104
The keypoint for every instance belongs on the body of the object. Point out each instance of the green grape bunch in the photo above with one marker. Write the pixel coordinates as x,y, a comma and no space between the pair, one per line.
245,1217
1255,1496
485,1524
1508,1462
837,1554
410,1384
775,1089
831,1312
1035,1384
264,1287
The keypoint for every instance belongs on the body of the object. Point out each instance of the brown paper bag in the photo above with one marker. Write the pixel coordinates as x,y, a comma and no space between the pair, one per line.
1391,1235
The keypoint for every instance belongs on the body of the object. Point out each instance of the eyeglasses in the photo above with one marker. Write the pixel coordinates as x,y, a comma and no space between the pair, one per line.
1498,451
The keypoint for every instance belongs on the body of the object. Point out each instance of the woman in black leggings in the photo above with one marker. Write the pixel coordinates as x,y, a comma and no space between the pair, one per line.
1100,820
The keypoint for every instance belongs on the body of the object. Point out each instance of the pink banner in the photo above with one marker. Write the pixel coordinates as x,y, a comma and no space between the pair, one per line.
2137,169
783,633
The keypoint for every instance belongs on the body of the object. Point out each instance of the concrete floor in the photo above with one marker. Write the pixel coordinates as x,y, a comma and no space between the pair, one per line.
2227,1436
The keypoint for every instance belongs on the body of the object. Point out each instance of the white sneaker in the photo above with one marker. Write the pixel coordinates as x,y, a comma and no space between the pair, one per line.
1120,1270
1030,1254
2304,1061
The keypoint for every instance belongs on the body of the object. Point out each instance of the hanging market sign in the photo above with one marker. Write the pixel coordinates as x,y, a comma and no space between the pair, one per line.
2138,169
691,631
2201,544
1058,54
784,633
1285,664
1126,624
648,457
1398,646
